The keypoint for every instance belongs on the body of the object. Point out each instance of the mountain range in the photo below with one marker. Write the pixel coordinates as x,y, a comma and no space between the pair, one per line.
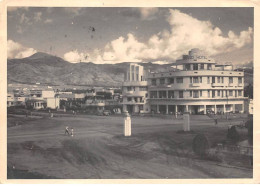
52,70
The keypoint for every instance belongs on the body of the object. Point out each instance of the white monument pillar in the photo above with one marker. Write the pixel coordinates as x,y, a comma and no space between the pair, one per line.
186,121
127,126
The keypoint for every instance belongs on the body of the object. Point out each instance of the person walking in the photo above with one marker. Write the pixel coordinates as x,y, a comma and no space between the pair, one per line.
67,131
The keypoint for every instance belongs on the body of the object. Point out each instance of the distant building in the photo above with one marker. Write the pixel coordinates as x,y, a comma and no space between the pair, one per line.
135,90
40,98
196,84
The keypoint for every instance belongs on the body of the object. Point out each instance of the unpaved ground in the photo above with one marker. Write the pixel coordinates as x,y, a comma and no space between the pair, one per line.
99,150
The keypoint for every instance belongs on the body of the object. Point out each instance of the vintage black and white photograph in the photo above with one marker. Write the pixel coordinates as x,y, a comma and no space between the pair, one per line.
130,92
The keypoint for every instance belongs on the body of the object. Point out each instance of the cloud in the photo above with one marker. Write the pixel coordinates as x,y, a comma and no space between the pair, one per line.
25,19
75,56
160,62
16,50
147,13
186,32
48,21
37,16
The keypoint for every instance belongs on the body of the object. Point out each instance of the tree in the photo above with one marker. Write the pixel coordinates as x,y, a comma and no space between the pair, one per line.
248,91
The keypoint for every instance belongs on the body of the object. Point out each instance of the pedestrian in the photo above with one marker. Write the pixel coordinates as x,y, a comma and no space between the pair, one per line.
216,121
67,130
71,130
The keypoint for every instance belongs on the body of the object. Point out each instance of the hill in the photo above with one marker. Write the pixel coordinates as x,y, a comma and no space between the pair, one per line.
48,69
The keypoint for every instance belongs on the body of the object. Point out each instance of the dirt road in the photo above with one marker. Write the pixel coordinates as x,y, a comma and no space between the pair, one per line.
99,150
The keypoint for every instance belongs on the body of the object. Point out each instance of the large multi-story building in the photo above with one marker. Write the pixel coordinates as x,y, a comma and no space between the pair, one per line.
134,90
196,84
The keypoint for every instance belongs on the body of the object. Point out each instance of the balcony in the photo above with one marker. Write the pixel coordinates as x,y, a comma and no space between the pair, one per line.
161,86
135,83
133,102
195,84
231,84
217,84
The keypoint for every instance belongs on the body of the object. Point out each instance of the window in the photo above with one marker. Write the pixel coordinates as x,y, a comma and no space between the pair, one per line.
230,93
200,79
239,93
213,79
171,94
208,93
230,79
190,93
208,80
218,93
190,79
153,94
162,81
129,99
180,94
141,78
171,80
200,93
133,76
222,79
209,67
218,79
239,80
201,66
196,94
195,67
143,88
195,79
213,93
137,77
162,94
187,67
180,80
154,82
129,88
133,68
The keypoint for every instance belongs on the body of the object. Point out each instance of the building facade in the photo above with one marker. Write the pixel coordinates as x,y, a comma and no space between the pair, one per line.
135,90
196,84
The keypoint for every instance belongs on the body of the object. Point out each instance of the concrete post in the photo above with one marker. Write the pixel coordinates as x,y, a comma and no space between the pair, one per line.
127,125
186,108
205,109
186,121
167,109
215,109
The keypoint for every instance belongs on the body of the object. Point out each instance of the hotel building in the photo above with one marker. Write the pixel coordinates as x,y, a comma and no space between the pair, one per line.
196,84
135,90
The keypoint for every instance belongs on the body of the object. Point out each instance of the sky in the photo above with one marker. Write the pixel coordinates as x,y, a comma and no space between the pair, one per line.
124,34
